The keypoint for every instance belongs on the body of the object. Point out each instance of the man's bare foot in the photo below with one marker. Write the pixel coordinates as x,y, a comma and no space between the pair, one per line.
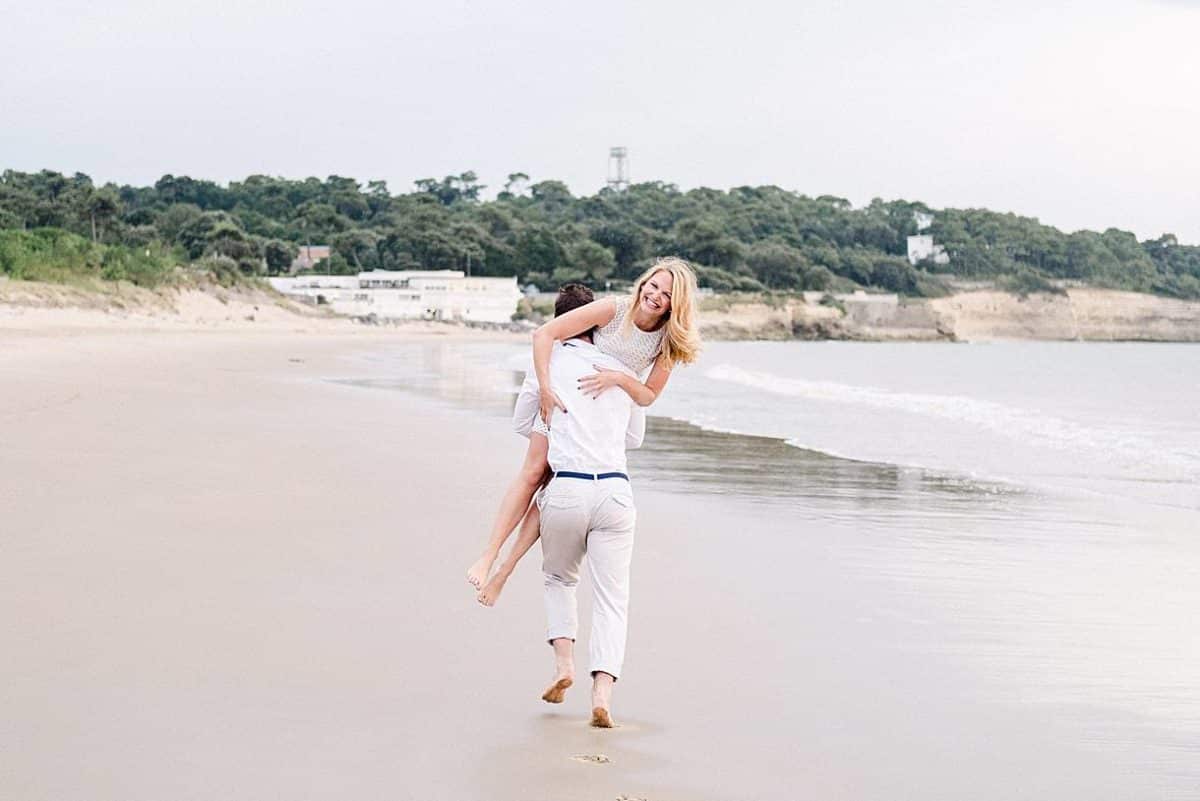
558,690
602,687
491,591
477,573
600,718
564,670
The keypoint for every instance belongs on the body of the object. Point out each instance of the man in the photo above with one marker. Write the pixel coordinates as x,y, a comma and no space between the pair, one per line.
587,508
535,473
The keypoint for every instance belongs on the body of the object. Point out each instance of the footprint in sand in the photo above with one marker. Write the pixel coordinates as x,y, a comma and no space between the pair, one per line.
594,759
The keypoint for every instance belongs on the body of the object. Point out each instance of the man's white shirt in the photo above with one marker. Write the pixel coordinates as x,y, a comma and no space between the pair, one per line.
592,435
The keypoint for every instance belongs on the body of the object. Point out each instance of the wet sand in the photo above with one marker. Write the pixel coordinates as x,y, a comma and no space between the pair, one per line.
225,577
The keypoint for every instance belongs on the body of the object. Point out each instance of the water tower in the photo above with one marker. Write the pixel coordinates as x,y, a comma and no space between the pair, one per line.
618,169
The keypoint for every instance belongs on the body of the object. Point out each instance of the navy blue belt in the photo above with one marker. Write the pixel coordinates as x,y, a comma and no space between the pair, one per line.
589,476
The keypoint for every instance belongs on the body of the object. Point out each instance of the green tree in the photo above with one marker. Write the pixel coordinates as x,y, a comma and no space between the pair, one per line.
102,207
628,243
777,265
358,247
175,219
538,251
452,189
516,186
702,240
594,261
279,256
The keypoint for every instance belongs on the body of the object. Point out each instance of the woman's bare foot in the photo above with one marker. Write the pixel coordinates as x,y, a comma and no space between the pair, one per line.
600,718
477,573
491,591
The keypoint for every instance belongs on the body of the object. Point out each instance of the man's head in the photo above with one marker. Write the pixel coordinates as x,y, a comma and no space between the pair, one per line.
571,297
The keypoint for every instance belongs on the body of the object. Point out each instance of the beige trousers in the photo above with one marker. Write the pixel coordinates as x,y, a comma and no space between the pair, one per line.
596,518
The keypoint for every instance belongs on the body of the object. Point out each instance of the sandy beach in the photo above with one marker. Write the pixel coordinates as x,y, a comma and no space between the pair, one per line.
228,575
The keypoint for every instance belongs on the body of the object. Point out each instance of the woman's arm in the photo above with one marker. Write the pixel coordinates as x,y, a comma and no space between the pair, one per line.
573,323
642,394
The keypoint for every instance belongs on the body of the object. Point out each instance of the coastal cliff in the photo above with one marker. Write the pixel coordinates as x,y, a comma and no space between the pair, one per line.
1099,315
1080,314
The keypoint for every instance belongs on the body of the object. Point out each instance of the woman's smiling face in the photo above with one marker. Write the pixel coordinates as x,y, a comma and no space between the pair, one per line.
656,294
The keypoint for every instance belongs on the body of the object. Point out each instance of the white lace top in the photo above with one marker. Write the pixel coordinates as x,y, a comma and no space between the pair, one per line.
636,349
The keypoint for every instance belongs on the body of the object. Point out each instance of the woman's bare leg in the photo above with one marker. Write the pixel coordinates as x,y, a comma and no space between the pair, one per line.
512,507
530,532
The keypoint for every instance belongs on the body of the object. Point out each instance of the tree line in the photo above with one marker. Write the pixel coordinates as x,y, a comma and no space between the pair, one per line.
746,238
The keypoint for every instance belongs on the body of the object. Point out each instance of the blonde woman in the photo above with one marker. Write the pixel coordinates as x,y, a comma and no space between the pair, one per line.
654,329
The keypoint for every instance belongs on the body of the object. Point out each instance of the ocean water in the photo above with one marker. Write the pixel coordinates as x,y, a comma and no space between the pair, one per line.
1029,512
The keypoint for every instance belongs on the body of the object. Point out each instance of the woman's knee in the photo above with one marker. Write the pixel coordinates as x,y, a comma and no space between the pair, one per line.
533,470
531,475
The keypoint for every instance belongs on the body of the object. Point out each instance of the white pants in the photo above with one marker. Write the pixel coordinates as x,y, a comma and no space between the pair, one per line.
597,518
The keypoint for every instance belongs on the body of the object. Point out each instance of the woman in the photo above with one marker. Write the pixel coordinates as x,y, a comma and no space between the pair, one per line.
654,328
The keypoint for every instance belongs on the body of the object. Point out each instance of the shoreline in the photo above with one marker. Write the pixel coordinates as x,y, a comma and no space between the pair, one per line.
473,367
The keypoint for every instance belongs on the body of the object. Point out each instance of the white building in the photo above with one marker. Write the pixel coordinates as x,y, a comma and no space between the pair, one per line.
923,219
409,295
921,247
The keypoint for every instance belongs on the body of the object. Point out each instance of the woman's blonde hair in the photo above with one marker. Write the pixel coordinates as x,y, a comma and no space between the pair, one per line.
681,337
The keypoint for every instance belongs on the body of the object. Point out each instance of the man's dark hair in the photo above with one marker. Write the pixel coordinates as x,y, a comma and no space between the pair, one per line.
572,296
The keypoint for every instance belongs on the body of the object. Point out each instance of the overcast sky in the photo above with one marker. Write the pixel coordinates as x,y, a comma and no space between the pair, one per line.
1083,114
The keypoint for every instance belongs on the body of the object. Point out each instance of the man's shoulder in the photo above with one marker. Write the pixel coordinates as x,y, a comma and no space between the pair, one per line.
570,359
588,350
579,349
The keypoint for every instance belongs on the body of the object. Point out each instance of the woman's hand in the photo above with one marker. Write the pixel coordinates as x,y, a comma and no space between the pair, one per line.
547,402
593,385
